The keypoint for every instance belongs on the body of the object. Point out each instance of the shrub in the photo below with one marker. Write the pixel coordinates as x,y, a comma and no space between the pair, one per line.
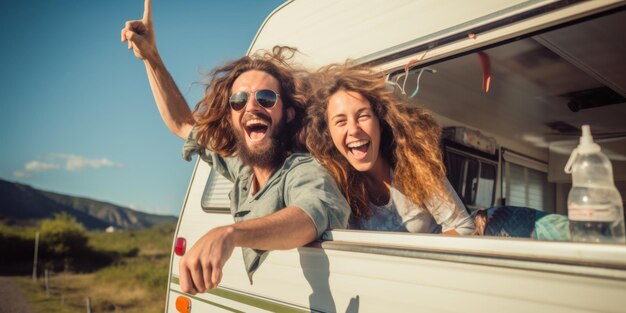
63,236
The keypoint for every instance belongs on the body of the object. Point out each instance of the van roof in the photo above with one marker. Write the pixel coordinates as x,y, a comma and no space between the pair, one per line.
366,31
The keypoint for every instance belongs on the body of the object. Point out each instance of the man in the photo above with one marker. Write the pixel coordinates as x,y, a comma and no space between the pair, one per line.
246,127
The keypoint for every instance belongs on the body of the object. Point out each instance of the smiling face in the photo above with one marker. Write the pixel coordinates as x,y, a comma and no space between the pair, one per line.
258,129
355,129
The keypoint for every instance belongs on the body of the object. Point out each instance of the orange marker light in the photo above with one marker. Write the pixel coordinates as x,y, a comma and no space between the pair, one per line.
183,304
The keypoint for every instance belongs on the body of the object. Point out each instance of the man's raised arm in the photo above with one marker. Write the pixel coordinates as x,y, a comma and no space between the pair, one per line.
171,104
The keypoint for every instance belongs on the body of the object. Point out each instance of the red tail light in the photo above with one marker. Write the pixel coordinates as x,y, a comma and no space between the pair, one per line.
179,247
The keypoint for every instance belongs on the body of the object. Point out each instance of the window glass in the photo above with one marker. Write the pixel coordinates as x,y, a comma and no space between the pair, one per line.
516,189
472,178
455,169
216,193
529,188
471,181
536,191
486,185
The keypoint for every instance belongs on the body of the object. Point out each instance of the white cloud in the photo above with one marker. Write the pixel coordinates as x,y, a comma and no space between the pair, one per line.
21,174
36,166
69,162
76,162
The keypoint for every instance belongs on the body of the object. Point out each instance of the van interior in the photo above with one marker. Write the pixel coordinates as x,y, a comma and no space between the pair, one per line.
506,141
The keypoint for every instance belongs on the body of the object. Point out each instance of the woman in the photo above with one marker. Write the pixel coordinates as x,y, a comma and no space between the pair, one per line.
384,155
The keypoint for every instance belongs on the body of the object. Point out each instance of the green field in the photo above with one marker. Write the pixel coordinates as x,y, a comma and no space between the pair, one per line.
124,271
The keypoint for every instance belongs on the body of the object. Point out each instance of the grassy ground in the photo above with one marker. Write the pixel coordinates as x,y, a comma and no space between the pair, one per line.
136,281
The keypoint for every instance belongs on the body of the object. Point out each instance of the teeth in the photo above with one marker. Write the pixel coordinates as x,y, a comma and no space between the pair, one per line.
256,121
357,144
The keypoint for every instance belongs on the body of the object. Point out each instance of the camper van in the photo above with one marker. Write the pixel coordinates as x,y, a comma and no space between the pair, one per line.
511,82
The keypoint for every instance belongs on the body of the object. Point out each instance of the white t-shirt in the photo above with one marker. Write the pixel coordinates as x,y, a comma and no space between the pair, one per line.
402,215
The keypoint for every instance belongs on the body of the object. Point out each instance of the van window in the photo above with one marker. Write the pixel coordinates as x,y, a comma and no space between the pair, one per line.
542,89
215,197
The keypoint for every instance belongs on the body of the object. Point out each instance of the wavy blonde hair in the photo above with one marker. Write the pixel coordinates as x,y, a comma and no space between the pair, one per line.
409,138
212,112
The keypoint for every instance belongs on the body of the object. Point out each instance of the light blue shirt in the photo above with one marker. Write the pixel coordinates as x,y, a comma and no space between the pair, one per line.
301,181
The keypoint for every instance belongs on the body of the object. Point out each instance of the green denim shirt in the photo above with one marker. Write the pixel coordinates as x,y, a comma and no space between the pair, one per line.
301,181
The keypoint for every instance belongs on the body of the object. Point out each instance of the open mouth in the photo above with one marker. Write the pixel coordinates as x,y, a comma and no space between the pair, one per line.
256,128
358,149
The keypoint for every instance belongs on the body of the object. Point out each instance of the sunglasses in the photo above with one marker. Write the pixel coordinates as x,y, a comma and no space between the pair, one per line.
264,97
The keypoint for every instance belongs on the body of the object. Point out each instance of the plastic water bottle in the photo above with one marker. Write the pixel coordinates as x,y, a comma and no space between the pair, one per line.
594,204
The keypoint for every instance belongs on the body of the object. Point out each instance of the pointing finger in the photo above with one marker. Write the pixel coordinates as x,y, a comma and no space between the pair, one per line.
147,11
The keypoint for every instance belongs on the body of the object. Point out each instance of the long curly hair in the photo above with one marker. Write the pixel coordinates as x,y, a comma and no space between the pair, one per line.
212,112
409,138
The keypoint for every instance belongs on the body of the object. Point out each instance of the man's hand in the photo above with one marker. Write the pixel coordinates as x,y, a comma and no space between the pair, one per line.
201,267
140,35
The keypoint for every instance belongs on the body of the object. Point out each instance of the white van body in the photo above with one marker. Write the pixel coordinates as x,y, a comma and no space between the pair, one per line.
360,271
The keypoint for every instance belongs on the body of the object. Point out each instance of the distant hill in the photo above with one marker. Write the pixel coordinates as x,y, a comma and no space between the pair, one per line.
22,204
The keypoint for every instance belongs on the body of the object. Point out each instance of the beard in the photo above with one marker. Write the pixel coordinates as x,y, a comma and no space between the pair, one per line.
269,156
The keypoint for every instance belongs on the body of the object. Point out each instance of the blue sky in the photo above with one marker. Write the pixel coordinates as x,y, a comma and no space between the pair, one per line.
78,116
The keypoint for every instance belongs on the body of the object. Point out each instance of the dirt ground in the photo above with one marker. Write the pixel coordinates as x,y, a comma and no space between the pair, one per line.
11,298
